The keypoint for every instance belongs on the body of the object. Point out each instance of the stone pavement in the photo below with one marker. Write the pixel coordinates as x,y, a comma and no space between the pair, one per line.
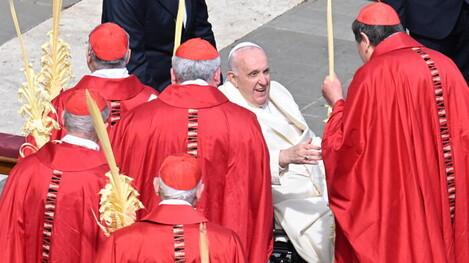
295,41
30,13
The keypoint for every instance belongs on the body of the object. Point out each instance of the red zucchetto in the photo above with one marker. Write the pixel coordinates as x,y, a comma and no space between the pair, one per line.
181,171
76,102
109,42
197,49
378,14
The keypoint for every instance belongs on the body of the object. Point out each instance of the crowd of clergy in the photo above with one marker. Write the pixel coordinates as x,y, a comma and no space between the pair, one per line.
218,166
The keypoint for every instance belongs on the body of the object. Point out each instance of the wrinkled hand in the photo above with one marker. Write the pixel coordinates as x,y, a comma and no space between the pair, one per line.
302,153
332,90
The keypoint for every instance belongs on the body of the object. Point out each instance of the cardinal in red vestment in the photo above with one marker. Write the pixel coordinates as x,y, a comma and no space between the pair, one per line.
396,150
107,57
192,116
46,209
108,54
174,231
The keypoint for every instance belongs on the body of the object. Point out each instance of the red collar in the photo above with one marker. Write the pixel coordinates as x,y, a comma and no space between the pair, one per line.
174,215
112,89
192,96
68,157
394,42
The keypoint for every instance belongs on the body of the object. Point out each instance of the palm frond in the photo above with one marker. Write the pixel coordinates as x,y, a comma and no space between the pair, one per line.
56,70
119,200
36,101
119,203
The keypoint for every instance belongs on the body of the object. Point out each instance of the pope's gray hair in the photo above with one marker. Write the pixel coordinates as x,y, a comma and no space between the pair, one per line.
186,69
83,124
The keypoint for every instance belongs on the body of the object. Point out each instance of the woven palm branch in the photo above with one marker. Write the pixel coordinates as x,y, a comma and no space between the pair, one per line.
36,101
56,70
119,200
119,203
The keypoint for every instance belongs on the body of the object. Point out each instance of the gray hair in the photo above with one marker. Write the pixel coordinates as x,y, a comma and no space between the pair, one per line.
167,192
106,64
186,69
83,124
235,49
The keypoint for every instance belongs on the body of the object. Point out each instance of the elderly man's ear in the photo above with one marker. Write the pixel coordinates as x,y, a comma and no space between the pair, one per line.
231,77
173,76
127,56
217,77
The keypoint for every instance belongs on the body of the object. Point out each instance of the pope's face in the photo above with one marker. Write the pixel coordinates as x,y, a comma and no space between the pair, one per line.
252,76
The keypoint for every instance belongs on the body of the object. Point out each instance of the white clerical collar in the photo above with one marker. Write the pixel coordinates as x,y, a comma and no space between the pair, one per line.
200,82
174,202
80,142
111,73
267,106
258,108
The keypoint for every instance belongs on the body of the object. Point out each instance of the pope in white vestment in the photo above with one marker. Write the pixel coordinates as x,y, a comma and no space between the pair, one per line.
299,188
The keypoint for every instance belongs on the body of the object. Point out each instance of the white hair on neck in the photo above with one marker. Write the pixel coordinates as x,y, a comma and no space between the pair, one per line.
167,192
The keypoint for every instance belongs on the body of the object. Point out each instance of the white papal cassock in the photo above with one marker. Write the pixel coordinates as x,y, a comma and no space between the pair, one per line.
299,191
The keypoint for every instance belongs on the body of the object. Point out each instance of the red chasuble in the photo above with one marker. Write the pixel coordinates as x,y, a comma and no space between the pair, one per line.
200,120
46,207
153,239
397,159
122,94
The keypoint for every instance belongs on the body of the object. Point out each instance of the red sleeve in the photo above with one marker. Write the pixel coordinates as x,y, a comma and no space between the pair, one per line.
342,142
342,146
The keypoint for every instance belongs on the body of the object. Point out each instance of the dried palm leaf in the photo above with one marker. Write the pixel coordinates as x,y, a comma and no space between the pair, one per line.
36,101
203,244
119,200
179,23
56,70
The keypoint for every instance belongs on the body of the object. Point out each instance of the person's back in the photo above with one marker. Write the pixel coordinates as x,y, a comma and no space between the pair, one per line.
122,95
174,231
396,158
29,202
195,117
148,235
108,53
442,25
48,203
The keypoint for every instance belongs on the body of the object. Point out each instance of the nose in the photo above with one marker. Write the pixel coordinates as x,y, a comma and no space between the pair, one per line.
263,79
